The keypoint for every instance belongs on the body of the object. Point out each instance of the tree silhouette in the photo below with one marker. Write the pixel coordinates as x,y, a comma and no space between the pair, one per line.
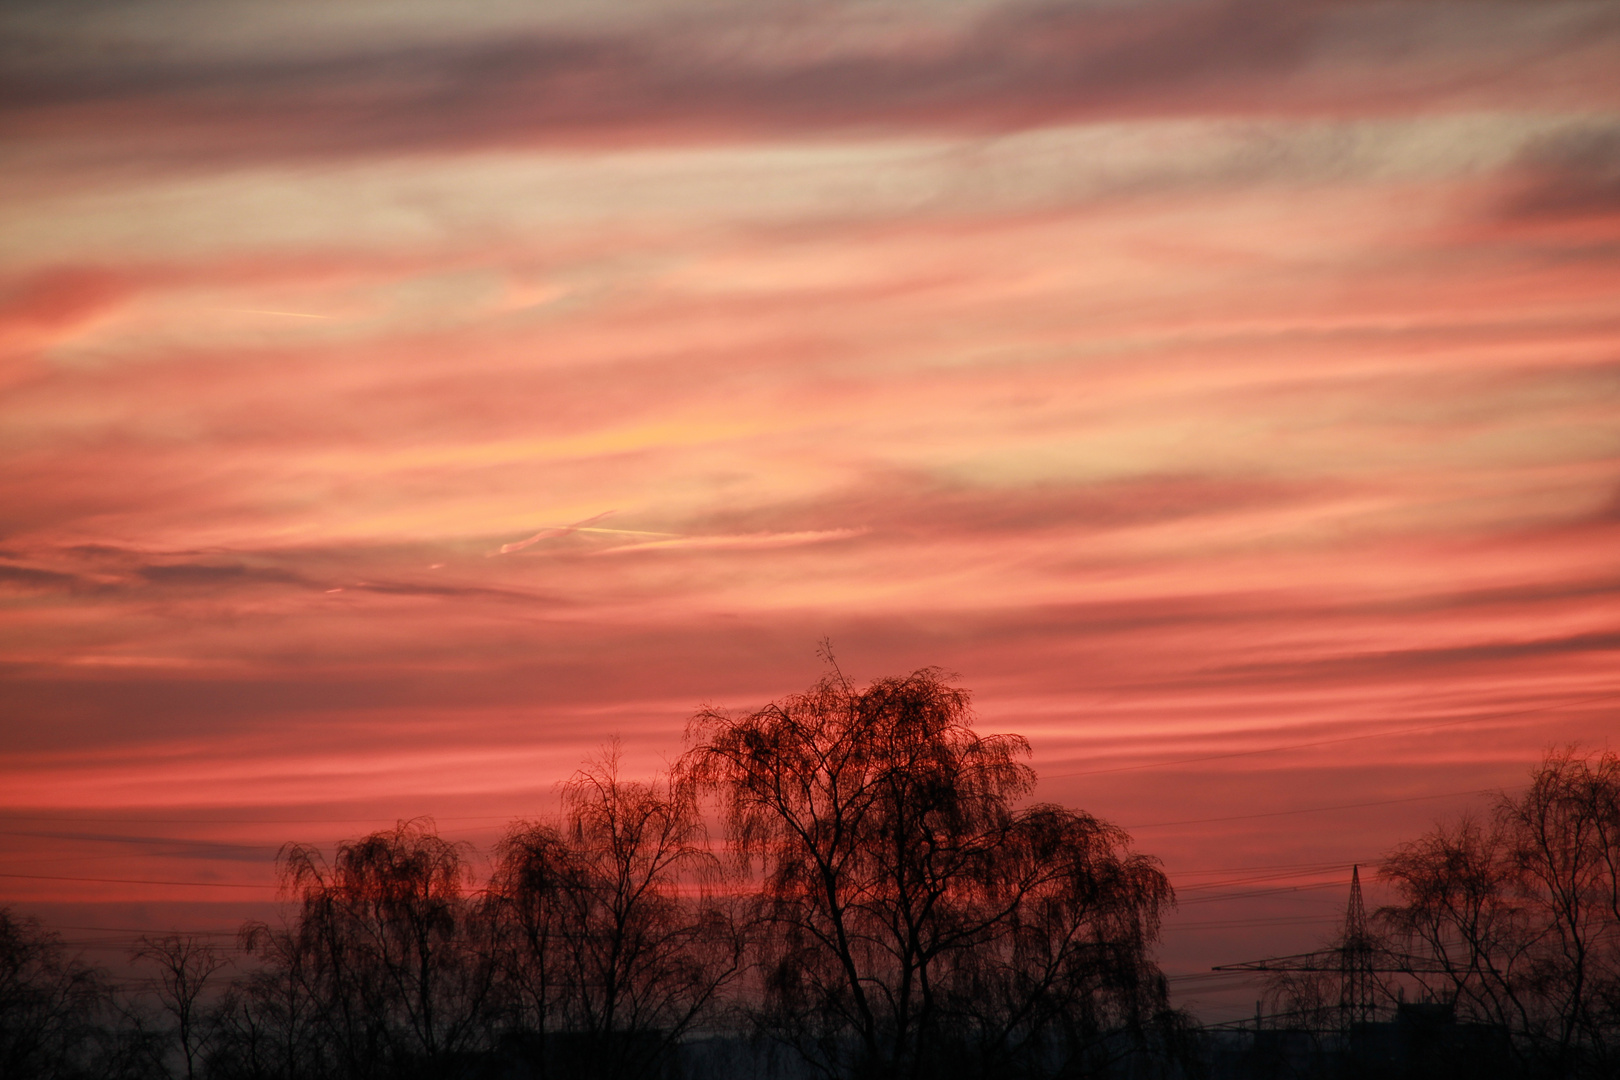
275,1022
913,921
1463,912
532,914
49,1002
389,948
598,939
185,965
1517,922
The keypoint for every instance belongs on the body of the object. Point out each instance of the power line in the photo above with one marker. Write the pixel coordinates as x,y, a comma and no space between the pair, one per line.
134,881
204,819
158,931
1280,890
1314,809
1257,878
1336,864
1234,924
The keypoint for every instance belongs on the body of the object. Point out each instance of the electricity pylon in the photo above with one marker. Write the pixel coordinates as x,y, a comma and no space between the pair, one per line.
1355,950
1356,956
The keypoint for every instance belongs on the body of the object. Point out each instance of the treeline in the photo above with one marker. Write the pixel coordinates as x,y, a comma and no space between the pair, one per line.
879,905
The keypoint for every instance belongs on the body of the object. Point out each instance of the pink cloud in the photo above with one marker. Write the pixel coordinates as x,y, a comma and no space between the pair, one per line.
1230,404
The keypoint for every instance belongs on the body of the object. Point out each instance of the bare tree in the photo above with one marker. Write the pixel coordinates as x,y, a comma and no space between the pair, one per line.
532,913
614,944
1306,1000
1566,849
916,923
49,1001
1518,922
1469,931
385,932
185,966
271,1023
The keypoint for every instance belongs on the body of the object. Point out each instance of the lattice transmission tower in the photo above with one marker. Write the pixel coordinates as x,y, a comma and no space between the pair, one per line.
1356,949
1356,956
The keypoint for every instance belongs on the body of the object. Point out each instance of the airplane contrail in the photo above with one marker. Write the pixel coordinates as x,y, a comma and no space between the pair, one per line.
288,314
553,531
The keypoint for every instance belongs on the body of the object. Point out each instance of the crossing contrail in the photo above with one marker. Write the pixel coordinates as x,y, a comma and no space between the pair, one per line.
548,533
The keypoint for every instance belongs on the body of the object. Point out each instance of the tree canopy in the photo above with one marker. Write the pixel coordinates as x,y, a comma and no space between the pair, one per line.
914,919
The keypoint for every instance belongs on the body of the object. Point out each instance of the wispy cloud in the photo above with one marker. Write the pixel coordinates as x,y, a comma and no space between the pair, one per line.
747,72
738,542
1213,380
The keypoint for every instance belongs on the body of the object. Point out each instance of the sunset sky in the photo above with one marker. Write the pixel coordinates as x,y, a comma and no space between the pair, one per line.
398,401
